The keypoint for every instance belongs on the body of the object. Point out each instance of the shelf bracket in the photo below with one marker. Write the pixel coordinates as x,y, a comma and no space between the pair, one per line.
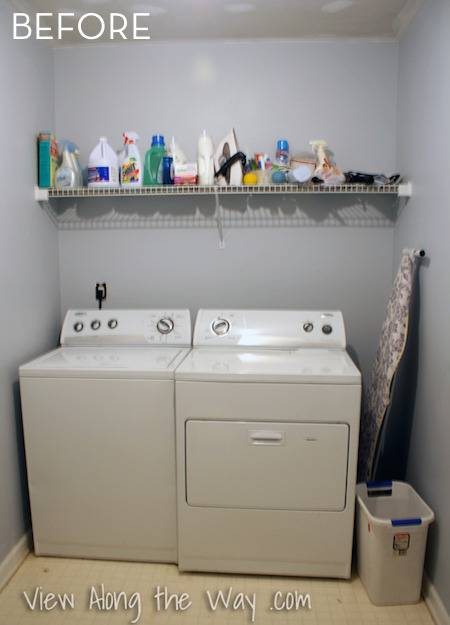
219,222
40,195
405,189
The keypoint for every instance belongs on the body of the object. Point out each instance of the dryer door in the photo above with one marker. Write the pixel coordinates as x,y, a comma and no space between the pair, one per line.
279,466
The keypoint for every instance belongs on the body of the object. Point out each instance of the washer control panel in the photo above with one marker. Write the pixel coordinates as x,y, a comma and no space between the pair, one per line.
270,328
127,327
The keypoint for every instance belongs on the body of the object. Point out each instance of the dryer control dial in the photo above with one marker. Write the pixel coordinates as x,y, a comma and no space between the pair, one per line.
165,325
220,326
327,329
95,325
78,326
113,323
308,326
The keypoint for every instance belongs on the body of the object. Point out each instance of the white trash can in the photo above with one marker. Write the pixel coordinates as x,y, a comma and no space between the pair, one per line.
392,526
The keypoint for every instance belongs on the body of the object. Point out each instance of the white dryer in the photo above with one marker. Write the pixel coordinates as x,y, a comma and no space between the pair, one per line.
267,411
99,426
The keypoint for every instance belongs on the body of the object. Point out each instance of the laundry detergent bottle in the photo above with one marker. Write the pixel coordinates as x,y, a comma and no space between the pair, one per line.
130,161
153,170
103,168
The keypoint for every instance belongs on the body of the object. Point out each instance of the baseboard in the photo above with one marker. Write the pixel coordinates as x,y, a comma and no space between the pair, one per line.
14,559
434,602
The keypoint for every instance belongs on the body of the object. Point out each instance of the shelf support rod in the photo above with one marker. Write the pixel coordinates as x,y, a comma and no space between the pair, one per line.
219,222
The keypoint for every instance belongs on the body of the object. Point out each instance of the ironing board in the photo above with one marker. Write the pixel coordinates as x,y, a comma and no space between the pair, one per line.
389,397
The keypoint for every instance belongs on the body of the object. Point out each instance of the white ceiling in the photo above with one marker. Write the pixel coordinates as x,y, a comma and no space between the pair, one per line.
249,19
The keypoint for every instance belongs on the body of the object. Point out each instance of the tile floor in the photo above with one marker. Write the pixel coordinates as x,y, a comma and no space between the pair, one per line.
332,602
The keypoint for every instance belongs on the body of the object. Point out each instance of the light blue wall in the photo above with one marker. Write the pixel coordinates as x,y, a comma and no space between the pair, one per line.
29,281
266,90
350,268
424,157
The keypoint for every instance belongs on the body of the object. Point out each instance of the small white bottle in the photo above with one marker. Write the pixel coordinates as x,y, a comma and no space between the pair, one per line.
131,172
103,168
205,160
179,157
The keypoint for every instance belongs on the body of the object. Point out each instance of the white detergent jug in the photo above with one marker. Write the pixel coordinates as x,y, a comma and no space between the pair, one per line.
103,168
131,171
205,160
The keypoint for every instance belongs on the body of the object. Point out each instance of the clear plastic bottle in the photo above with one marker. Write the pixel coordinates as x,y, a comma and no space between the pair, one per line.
153,171
66,175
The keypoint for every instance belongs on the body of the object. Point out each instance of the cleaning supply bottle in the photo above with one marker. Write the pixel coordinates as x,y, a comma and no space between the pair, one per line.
103,168
205,160
120,156
74,154
282,154
319,147
326,168
179,157
130,161
66,174
153,171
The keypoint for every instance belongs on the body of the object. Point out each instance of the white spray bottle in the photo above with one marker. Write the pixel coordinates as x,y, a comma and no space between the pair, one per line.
205,160
319,147
131,171
66,174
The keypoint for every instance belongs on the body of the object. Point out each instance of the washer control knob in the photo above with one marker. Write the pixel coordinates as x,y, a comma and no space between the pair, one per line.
220,327
327,329
308,326
165,325
113,323
95,324
78,326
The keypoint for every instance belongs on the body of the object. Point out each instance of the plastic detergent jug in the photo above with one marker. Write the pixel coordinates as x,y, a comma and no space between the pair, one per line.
130,161
153,171
103,168
205,160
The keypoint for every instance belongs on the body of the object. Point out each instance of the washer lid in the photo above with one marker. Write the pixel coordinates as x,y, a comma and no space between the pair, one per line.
156,363
314,366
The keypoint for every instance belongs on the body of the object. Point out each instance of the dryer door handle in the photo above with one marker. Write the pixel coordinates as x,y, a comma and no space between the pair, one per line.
266,437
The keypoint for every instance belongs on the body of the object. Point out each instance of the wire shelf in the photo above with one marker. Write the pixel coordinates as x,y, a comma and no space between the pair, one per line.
273,205
191,190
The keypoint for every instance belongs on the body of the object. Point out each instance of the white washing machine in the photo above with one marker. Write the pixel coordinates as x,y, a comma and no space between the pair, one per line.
267,411
99,426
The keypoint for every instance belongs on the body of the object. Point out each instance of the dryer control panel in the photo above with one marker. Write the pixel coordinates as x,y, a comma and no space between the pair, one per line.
270,328
127,327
